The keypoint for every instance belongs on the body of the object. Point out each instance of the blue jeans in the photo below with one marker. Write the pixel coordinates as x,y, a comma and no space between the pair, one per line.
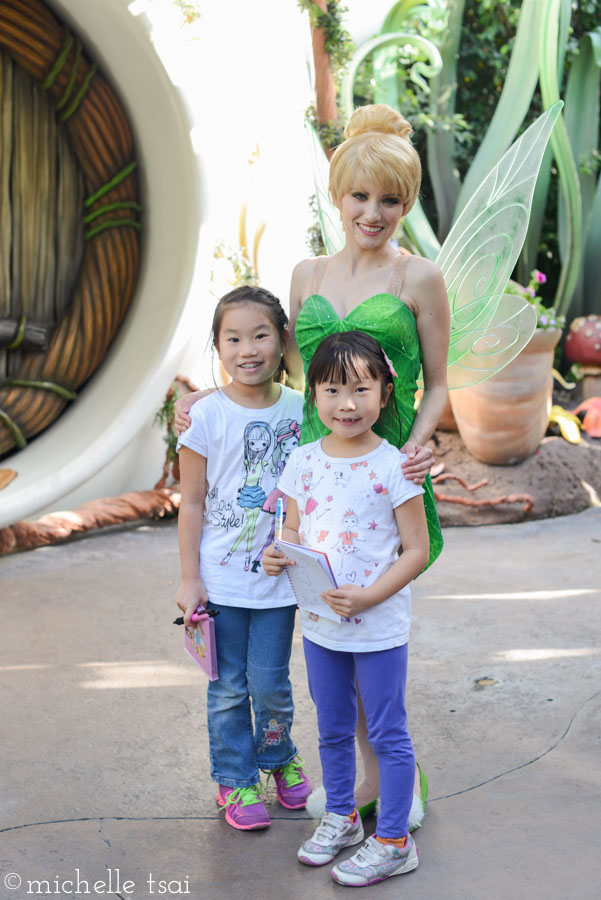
253,655
382,677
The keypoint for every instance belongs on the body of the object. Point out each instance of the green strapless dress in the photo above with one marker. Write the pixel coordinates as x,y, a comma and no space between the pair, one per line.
393,325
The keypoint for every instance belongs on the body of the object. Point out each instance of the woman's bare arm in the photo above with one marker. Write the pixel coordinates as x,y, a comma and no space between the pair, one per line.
427,289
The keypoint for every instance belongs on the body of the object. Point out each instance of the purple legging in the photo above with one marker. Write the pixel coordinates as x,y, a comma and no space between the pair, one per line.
382,677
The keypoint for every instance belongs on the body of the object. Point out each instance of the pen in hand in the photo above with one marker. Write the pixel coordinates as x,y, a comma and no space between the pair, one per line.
279,518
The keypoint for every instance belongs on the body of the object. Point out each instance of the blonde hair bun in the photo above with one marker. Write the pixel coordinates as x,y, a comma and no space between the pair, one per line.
378,118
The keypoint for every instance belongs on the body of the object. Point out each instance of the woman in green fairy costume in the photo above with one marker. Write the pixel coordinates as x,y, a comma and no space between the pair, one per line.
400,300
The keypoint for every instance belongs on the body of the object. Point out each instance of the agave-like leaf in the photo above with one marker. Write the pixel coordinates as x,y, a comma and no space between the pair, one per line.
400,12
329,217
420,232
418,72
592,257
441,143
514,102
529,254
541,192
582,125
568,174
488,329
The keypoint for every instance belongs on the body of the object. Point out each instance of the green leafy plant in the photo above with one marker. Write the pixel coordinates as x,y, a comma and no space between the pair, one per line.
165,417
338,43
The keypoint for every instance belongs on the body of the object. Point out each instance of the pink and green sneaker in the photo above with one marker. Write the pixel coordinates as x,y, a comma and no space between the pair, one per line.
292,785
243,807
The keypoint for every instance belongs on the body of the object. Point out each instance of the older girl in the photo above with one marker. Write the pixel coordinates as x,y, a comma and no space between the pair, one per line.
224,456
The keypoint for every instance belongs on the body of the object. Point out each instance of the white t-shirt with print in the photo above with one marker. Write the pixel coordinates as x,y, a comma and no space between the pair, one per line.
246,451
346,509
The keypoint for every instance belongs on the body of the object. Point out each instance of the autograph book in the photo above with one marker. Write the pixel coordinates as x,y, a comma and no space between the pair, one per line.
311,575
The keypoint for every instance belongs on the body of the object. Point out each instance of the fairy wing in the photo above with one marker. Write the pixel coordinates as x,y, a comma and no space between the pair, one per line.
488,327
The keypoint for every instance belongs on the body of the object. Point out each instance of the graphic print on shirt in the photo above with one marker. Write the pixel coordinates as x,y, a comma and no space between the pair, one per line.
347,536
308,506
265,452
287,438
224,513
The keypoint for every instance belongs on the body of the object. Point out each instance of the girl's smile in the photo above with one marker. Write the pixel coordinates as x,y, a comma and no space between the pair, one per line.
249,348
350,410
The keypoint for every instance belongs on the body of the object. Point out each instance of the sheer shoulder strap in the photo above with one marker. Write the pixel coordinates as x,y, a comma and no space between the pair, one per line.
397,276
321,264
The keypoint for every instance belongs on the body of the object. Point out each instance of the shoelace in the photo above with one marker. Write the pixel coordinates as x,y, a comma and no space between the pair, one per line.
289,772
246,796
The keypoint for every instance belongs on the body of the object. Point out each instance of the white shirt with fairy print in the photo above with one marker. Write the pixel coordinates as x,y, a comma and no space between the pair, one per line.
346,509
246,451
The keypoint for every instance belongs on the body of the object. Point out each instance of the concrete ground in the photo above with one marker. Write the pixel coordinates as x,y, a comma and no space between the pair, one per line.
104,773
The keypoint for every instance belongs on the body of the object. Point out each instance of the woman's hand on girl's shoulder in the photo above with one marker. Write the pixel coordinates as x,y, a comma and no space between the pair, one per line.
418,463
182,407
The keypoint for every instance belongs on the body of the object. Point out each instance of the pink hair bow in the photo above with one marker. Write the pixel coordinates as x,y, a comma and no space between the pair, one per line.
388,362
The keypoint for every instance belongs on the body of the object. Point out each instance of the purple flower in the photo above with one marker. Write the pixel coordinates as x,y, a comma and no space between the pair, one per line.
543,320
540,277
532,292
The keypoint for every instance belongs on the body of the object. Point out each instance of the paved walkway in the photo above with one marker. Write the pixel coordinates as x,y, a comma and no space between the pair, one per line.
104,752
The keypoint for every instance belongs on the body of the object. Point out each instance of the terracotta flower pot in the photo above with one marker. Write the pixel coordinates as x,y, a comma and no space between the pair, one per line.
447,420
502,420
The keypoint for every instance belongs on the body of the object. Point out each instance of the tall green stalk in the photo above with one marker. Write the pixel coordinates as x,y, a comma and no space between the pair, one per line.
568,174
441,143
582,125
514,102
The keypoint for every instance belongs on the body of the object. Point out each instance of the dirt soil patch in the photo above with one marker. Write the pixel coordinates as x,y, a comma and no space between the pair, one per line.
561,478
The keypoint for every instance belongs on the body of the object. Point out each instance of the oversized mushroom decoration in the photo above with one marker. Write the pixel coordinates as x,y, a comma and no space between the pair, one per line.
583,346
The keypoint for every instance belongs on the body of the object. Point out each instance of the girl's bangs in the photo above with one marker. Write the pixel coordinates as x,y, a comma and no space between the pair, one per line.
342,366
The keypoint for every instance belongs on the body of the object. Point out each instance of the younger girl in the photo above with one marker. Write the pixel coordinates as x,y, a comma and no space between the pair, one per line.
227,472
367,504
